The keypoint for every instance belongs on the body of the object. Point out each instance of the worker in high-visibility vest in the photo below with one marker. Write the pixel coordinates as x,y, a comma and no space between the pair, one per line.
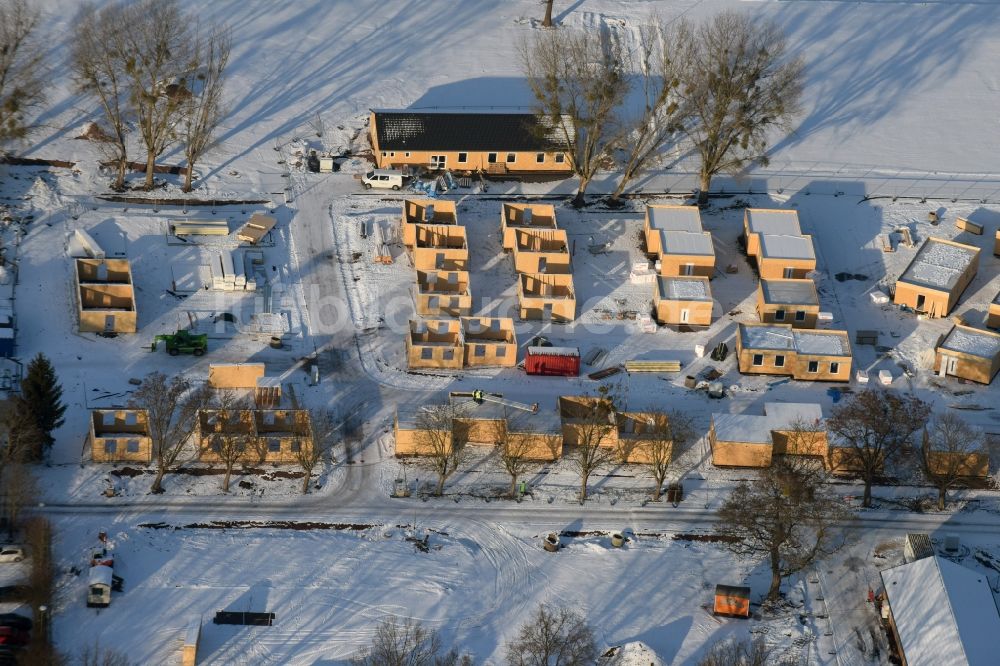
477,395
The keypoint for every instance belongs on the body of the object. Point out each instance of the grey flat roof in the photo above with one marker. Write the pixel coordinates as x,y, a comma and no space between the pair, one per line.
783,414
971,341
938,265
674,218
687,242
547,423
826,344
742,428
773,221
684,289
766,337
786,246
790,292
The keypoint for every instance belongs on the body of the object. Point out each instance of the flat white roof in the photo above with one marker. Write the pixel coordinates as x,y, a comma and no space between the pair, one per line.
783,414
829,343
790,292
674,218
938,265
687,242
773,221
766,337
684,289
803,341
742,428
944,613
786,246
971,341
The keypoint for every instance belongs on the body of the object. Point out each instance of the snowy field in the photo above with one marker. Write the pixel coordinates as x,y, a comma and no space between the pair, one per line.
899,98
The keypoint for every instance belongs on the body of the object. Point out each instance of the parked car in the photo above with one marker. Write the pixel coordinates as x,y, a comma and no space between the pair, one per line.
16,620
384,178
11,553
11,636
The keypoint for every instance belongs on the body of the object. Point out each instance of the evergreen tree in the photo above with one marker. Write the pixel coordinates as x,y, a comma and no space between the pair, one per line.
43,396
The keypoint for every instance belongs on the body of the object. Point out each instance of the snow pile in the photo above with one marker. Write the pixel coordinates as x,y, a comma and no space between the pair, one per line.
635,653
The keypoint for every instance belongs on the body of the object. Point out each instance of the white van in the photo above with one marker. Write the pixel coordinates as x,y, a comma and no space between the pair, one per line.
385,178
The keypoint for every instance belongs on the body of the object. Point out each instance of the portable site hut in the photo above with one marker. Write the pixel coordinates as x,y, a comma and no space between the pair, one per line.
425,211
588,418
661,217
936,277
732,600
435,343
120,435
525,216
546,297
489,341
99,581
968,353
785,256
683,301
488,141
421,432
442,293
940,612
687,253
778,349
993,314
552,361
541,251
105,296
760,221
794,302
740,440
440,247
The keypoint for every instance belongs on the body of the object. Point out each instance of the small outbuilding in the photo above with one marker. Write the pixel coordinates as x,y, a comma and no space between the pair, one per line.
779,349
552,361
968,353
105,296
435,343
732,600
525,216
538,251
687,253
662,217
442,293
786,256
794,302
120,435
549,297
936,277
489,341
683,301
440,248
771,221
425,211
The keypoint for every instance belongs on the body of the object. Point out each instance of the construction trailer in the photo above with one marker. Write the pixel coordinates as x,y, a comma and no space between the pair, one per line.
968,353
515,217
549,297
770,221
778,349
541,251
732,601
425,211
662,217
258,226
440,247
683,301
786,256
105,296
277,436
435,344
120,435
686,253
442,293
493,142
489,341
552,361
993,313
794,302
936,277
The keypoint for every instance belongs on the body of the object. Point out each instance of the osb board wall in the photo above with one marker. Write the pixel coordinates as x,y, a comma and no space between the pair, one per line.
234,375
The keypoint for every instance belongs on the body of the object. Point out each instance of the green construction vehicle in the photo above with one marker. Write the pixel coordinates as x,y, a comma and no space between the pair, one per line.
183,342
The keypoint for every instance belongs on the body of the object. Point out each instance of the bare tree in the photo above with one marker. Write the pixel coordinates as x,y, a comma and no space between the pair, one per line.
322,432
786,515
21,439
98,655
875,425
746,652
235,440
435,439
172,411
514,451
946,453
203,109
547,21
407,644
17,491
661,436
663,115
553,636
578,80
739,83
100,74
595,430
22,69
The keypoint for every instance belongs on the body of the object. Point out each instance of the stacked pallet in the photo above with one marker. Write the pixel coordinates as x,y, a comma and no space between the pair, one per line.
256,228
212,227
230,270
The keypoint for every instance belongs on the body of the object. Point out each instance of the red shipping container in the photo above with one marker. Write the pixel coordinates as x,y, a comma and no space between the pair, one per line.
557,361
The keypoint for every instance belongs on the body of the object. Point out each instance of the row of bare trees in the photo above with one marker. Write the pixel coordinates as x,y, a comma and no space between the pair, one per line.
22,69
719,88
172,406
150,68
